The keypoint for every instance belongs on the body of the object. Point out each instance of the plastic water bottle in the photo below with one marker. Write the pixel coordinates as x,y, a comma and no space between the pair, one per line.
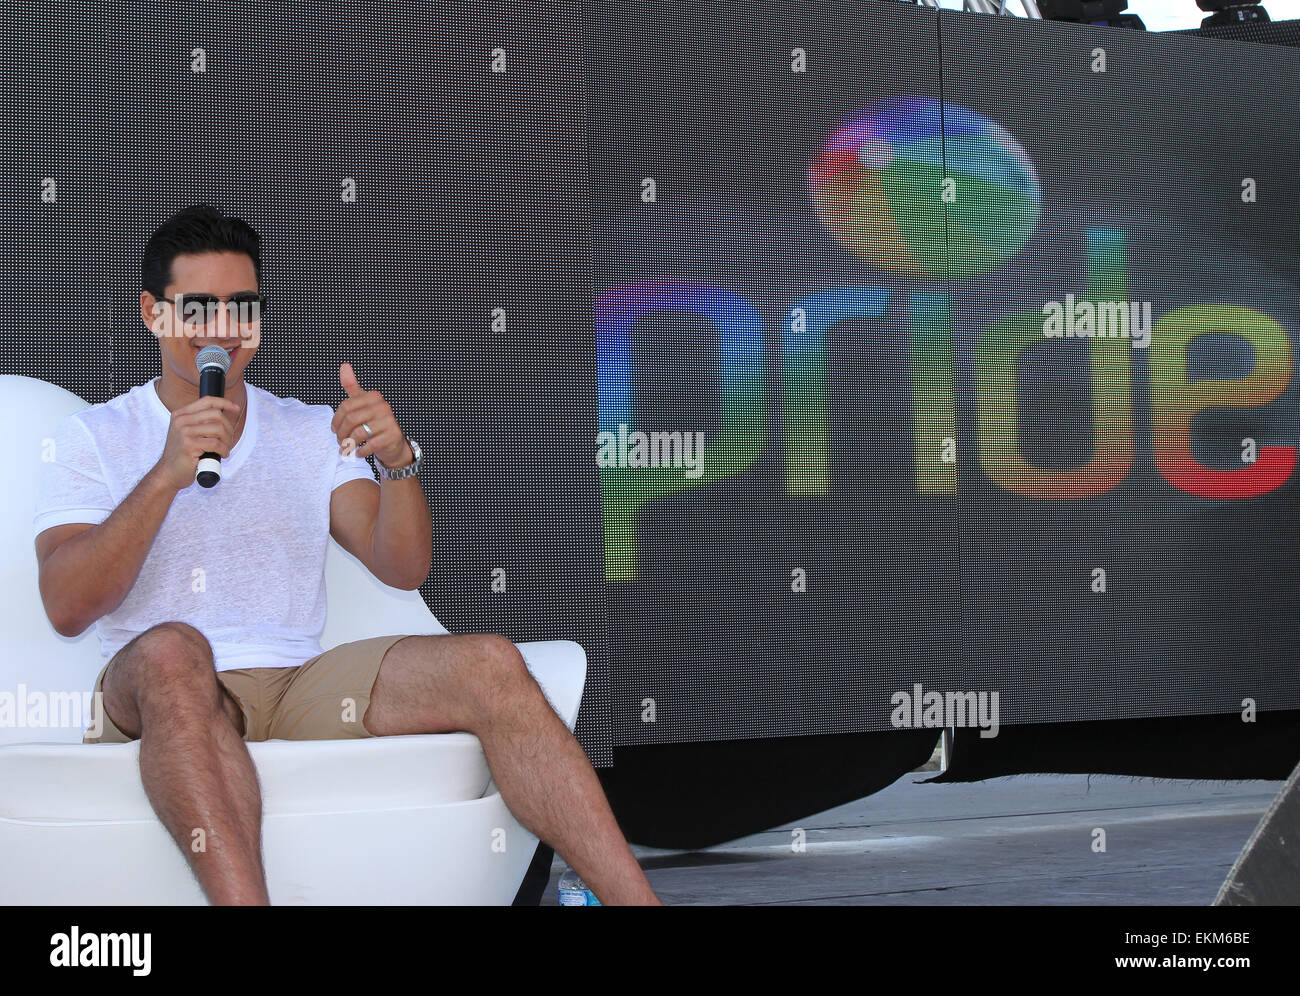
574,891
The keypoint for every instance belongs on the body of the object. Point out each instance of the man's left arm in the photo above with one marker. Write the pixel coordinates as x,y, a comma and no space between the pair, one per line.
388,528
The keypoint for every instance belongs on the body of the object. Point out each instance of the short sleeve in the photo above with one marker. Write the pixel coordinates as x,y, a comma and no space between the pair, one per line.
352,468
346,468
72,486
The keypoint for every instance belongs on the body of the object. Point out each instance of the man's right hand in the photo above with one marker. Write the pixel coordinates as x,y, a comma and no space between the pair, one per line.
203,426
87,571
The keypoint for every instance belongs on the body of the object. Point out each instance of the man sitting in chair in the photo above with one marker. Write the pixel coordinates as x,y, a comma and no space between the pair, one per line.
209,602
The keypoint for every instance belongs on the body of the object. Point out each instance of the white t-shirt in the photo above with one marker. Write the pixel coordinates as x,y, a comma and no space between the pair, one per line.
242,562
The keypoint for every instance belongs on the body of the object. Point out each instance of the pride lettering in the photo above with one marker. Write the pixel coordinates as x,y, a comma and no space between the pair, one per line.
743,405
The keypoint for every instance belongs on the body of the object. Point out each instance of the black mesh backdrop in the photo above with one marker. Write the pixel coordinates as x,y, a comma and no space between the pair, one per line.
456,282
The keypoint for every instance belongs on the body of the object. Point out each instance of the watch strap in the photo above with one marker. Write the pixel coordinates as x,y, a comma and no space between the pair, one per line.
402,473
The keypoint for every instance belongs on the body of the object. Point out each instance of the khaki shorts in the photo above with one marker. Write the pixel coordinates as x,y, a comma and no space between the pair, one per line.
323,699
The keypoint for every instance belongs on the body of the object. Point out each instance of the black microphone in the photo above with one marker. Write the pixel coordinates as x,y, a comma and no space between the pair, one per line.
213,362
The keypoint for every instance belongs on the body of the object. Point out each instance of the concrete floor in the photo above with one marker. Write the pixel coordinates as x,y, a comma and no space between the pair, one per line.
1025,840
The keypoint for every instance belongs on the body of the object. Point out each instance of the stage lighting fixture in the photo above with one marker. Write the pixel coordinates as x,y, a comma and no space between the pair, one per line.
1232,12
1103,12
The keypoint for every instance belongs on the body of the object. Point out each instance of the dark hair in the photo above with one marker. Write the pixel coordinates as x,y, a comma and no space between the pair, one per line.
197,229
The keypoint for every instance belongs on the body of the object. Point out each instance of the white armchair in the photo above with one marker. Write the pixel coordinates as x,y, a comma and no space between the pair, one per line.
388,820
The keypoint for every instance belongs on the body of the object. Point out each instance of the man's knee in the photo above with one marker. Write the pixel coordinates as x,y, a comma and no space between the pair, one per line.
475,666
496,655
168,636
173,659
464,672
491,669
175,637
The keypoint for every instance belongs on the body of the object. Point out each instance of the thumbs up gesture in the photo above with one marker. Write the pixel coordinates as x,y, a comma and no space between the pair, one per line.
365,424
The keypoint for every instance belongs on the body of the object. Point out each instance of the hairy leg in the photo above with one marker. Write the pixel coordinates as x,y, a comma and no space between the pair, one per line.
442,684
193,760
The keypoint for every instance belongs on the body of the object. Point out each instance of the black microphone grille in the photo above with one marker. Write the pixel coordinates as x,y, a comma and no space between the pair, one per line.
212,356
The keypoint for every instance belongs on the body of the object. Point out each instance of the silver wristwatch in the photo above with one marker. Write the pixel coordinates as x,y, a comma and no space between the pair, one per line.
401,473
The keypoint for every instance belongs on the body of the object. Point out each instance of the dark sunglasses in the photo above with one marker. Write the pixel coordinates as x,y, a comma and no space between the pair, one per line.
247,306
